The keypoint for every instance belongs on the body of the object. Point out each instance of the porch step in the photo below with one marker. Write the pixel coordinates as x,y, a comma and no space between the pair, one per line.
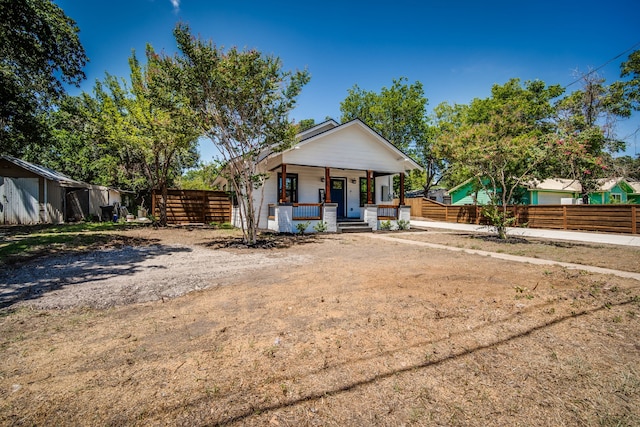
353,226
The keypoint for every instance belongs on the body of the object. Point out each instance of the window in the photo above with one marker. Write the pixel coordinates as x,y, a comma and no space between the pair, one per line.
616,198
363,191
291,187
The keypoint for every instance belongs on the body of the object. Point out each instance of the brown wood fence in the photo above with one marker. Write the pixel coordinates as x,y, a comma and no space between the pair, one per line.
195,206
606,218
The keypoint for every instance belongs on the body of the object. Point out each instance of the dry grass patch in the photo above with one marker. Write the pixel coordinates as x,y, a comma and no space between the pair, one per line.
364,333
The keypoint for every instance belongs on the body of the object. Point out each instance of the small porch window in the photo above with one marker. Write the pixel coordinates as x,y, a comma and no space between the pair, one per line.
291,187
363,191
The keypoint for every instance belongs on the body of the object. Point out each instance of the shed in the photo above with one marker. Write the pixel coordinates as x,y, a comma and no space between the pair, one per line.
34,194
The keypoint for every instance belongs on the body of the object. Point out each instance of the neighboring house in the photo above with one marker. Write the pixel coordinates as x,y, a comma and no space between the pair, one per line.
33,194
468,193
610,190
555,191
634,196
335,172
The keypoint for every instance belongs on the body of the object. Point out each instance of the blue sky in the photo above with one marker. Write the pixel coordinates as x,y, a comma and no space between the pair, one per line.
457,49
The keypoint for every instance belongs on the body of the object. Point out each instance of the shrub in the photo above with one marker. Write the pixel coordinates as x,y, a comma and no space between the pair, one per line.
320,227
403,224
302,226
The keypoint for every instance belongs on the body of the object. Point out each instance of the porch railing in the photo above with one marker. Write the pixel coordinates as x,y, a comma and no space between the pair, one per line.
304,211
272,211
387,212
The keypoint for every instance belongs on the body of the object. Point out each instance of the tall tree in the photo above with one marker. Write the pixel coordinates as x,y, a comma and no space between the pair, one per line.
39,52
150,124
501,141
242,99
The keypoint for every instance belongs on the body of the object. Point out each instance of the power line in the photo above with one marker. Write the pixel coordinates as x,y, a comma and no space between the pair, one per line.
603,65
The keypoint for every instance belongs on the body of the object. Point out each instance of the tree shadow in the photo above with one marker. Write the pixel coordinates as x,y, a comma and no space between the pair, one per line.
39,276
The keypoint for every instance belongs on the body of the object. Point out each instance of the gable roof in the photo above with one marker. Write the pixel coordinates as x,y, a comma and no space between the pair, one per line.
317,129
324,132
607,184
50,174
635,185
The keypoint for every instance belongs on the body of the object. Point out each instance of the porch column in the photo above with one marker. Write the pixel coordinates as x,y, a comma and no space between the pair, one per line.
402,188
369,193
327,185
283,190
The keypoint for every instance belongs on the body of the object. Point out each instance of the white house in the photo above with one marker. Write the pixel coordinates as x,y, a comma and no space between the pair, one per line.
337,174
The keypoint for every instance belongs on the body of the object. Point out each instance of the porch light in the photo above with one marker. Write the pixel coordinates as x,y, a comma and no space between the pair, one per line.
322,179
353,180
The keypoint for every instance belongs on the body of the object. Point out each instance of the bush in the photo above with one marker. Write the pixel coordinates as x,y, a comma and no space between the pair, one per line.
320,227
302,226
385,225
403,224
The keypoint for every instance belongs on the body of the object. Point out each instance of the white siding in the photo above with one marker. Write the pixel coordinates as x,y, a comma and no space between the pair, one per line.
19,199
54,203
352,147
545,198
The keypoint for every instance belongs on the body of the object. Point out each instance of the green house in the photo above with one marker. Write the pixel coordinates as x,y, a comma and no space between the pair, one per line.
554,191
471,193
612,190
634,196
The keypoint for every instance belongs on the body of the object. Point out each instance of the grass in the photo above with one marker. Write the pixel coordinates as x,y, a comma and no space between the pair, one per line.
19,243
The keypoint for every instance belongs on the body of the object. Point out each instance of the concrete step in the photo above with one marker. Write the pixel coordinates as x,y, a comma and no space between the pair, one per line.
353,227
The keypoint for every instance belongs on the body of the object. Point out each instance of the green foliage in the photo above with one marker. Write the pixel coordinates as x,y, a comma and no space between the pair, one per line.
148,125
320,227
242,100
305,124
302,227
500,140
403,224
39,51
385,225
201,178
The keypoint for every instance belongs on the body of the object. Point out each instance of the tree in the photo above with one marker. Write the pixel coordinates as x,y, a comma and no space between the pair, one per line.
39,52
398,114
242,99
200,178
586,136
501,141
149,123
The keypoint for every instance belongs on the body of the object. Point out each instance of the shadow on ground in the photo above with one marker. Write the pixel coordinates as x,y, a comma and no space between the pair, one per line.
41,276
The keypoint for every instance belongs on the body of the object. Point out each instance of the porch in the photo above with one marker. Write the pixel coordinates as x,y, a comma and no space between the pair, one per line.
287,217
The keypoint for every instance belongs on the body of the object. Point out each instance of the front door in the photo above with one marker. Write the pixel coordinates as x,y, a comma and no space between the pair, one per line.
337,194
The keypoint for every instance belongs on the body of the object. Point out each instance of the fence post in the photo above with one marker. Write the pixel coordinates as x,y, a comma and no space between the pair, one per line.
204,206
446,214
564,217
634,220
477,215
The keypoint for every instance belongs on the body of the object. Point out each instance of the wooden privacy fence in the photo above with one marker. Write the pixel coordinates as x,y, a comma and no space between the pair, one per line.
194,206
606,218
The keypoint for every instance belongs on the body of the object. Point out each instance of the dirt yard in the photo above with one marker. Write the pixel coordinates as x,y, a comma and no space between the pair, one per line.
182,329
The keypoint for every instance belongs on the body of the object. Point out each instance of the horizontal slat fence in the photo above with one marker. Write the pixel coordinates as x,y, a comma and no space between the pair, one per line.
606,218
195,206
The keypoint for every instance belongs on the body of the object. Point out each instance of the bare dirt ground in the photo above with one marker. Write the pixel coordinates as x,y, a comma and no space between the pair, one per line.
327,330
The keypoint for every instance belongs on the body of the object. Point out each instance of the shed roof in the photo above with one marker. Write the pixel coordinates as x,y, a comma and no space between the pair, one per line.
50,174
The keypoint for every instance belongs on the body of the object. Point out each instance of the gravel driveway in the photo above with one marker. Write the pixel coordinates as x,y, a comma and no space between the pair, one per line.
111,277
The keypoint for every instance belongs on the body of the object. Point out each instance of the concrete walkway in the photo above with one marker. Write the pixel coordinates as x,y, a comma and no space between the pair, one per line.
507,257
576,236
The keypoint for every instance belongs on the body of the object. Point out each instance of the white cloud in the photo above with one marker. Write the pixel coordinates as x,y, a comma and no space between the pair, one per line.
176,5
